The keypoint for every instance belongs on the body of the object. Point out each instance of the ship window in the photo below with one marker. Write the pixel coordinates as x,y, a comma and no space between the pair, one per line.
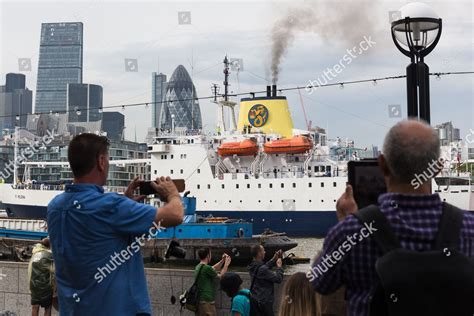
259,185
181,171
309,167
199,171
282,185
316,168
171,171
198,186
205,201
172,156
309,201
240,201
322,201
209,186
236,186
223,186
230,201
310,185
294,185
270,201
156,171
334,184
259,201
248,186
270,185
322,184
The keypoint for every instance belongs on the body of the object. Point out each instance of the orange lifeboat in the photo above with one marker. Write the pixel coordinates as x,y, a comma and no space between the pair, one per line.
246,147
296,145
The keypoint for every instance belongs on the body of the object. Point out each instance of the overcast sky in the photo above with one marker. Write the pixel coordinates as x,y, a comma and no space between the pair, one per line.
149,31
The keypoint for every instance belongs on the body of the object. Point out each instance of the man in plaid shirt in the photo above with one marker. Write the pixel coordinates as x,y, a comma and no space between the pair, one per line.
349,254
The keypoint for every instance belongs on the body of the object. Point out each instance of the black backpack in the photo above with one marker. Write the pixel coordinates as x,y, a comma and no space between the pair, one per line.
190,298
439,282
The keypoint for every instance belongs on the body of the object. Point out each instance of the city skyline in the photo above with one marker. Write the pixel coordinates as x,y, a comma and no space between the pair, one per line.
168,44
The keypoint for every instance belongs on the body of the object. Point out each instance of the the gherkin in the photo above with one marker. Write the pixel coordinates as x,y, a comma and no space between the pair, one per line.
181,101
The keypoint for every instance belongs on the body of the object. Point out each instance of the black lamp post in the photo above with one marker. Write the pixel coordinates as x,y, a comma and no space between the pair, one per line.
415,32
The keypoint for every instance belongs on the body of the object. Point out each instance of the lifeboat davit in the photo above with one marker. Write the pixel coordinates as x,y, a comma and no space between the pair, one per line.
246,147
296,145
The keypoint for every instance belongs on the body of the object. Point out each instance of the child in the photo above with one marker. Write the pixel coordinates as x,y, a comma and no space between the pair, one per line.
231,284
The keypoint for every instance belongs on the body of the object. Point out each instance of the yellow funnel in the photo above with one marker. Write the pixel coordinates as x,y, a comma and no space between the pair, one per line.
268,114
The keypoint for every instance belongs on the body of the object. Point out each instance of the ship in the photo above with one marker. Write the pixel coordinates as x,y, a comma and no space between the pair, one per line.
259,168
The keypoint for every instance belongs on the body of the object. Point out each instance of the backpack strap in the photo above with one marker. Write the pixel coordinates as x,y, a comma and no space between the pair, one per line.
449,228
255,277
384,236
197,276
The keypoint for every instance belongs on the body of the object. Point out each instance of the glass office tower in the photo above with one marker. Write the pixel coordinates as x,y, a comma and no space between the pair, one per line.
60,63
181,110
157,96
84,102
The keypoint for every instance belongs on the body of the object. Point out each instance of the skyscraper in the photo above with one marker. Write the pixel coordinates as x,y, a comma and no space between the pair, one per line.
84,102
113,124
181,108
60,63
158,90
15,102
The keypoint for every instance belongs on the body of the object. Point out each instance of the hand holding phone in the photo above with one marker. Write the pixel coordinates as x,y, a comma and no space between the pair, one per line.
162,187
367,181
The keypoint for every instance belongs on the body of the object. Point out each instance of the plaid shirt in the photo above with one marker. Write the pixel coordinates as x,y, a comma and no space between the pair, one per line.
348,256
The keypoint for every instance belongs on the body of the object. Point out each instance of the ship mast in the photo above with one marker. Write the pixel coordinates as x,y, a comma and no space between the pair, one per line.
226,101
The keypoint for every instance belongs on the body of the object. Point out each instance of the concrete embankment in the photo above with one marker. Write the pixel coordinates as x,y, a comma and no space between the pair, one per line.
162,283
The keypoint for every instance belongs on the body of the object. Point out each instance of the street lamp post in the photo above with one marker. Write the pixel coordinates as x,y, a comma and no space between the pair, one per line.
415,32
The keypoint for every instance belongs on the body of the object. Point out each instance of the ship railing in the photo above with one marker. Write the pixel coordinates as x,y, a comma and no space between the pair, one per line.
39,186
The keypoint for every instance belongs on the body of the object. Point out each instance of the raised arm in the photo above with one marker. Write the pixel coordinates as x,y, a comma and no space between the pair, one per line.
172,213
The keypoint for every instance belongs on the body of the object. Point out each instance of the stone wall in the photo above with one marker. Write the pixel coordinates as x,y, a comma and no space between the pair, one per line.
162,283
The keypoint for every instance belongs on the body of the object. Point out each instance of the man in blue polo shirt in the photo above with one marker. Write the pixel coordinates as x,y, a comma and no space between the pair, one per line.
96,236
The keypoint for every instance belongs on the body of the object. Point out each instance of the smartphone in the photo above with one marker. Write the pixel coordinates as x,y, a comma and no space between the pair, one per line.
367,181
146,188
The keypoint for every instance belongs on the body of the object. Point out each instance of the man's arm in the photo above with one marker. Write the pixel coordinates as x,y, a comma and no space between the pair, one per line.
131,217
221,262
272,262
227,261
172,213
326,274
267,274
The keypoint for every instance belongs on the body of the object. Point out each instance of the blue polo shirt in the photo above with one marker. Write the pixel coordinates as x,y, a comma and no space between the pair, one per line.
95,239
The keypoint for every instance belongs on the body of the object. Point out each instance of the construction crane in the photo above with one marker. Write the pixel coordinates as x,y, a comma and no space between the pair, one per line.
308,123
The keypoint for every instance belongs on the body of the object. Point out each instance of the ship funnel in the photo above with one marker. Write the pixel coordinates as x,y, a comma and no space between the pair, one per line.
274,90
268,115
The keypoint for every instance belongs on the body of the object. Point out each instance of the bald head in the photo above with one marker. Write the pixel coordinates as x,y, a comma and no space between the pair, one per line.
409,149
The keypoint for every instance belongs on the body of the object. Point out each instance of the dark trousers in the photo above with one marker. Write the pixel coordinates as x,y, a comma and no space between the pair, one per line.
266,309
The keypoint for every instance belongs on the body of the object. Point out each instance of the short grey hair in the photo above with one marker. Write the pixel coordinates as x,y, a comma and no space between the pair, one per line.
409,156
